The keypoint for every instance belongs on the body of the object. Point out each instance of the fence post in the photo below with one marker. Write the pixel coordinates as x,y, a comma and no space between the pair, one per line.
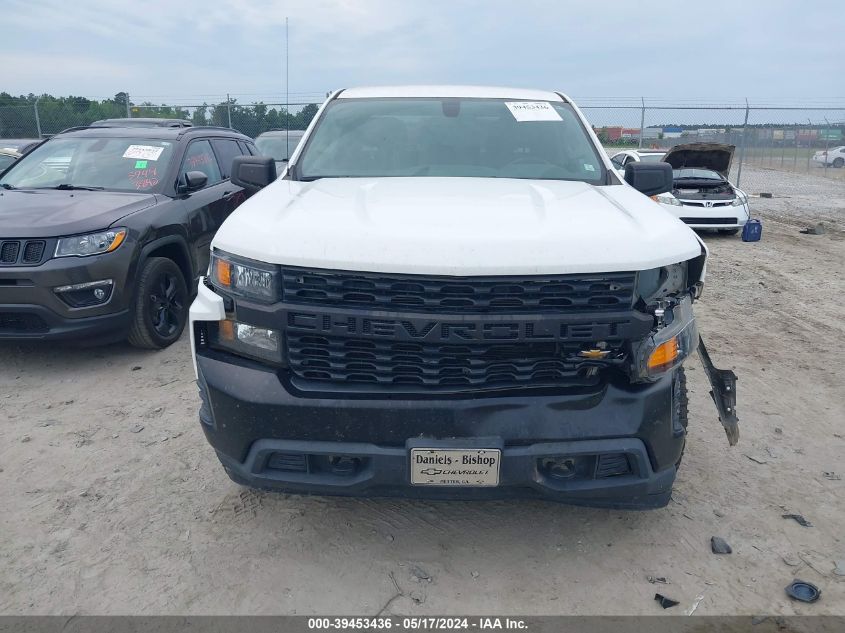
37,118
742,144
229,109
128,109
809,141
642,123
826,144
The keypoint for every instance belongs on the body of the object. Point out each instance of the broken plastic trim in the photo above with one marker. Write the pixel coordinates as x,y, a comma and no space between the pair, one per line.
723,392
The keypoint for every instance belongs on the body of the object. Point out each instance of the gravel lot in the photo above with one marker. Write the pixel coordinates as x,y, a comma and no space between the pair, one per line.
114,503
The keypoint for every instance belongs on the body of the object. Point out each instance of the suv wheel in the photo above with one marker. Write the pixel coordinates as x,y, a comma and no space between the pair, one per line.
839,162
161,305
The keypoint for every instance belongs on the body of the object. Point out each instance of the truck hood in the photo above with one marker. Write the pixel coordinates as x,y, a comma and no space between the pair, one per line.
51,213
715,156
456,226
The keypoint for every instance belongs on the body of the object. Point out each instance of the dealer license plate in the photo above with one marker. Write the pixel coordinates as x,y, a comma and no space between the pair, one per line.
455,467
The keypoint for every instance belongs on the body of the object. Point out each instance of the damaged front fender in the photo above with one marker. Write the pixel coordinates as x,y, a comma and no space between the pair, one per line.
723,392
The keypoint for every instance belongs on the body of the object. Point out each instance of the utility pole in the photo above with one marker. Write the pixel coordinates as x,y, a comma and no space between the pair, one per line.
128,111
229,109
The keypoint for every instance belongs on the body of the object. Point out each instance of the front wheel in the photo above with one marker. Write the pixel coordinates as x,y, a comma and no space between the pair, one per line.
161,305
728,231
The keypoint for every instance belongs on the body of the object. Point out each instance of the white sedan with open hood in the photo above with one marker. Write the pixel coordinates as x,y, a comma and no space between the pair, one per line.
702,197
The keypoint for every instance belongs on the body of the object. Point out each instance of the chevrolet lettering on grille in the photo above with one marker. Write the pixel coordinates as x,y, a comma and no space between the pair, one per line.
462,330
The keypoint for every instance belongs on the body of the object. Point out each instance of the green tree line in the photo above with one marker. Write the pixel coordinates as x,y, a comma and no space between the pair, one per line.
17,114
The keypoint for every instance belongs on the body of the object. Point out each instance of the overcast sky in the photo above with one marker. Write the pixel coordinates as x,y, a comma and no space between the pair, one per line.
190,50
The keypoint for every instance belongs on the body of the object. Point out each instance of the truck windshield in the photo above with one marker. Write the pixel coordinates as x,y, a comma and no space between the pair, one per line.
485,138
114,164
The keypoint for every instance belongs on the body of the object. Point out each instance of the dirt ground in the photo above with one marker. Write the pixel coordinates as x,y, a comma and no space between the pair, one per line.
113,503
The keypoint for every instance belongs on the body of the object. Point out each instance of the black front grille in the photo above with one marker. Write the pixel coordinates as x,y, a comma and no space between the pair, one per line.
709,220
337,359
482,295
22,252
22,322
9,252
33,252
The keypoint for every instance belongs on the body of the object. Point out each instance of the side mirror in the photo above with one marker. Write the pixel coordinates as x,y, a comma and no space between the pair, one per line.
649,178
195,180
253,172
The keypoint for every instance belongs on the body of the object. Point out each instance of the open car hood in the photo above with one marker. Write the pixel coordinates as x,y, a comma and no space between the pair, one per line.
715,156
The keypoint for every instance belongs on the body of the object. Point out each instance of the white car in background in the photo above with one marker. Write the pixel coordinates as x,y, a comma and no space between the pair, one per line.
702,196
835,157
635,156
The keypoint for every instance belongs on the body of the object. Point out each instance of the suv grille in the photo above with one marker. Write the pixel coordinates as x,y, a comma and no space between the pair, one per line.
9,252
27,252
433,365
484,295
33,252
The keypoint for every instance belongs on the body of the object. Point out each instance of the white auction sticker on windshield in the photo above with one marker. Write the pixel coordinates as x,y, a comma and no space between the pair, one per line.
533,111
143,152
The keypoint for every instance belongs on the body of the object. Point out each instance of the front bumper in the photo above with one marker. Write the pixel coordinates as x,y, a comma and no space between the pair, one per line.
30,309
724,217
254,423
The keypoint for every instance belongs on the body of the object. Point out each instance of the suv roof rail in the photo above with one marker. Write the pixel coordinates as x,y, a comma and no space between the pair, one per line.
212,127
143,122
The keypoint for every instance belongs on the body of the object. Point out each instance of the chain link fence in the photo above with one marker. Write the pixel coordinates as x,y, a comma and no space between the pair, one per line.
777,148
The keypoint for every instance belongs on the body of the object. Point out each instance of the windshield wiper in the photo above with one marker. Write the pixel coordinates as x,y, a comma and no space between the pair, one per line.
7,186
68,187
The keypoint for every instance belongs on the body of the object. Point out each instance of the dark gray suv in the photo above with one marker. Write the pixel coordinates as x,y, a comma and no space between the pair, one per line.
104,231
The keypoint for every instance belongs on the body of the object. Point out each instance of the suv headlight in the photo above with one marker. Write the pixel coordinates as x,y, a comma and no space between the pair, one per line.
90,244
245,277
667,198
740,200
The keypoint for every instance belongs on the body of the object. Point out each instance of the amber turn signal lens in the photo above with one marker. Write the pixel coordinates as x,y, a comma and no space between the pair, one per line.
226,329
664,354
223,273
118,240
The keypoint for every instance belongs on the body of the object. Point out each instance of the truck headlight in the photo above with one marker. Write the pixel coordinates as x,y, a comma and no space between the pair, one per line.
245,277
667,198
90,244
669,346
247,340
657,283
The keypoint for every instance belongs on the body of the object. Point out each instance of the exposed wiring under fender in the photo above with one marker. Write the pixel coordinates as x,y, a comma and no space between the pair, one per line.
723,392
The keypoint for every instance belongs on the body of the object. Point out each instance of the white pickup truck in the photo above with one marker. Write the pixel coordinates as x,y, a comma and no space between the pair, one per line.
449,292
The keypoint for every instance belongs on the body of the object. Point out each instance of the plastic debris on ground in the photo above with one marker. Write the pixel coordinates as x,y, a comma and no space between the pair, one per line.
803,591
719,545
665,602
800,520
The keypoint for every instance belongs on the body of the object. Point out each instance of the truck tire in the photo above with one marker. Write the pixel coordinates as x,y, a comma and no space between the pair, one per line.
680,408
160,309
